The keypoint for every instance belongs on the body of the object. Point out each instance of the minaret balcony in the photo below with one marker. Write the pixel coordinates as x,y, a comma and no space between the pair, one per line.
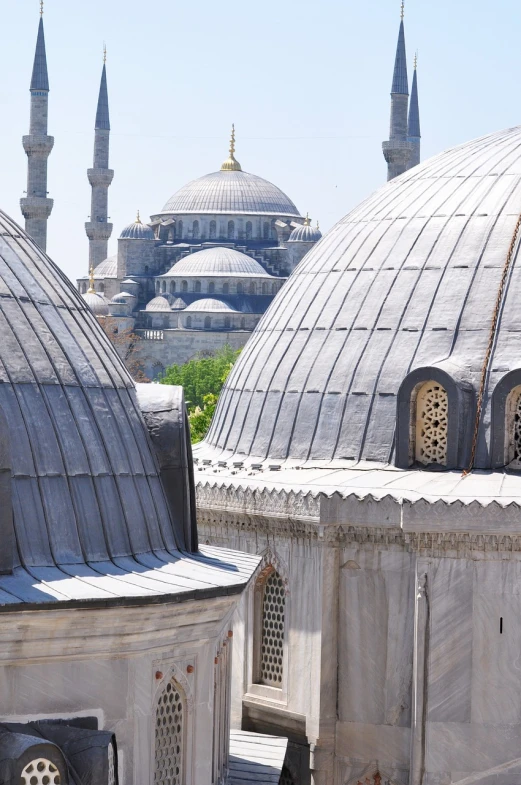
38,144
36,207
100,177
397,151
98,230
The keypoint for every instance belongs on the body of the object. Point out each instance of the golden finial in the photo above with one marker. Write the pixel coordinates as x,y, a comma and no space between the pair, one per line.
104,53
138,218
41,7
318,227
231,164
416,60
92,289
403,9
308,220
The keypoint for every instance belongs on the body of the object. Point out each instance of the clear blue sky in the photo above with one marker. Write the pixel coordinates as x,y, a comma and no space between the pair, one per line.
307,85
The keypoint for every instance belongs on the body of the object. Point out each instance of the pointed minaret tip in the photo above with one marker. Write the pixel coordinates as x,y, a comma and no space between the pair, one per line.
40,76
400,82
102,113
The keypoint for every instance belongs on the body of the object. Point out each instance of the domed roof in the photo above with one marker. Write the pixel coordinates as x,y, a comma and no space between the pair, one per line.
122,297
137,231
210,304
233,192
218,261
407,280
96,303
305,234
159,303
107,269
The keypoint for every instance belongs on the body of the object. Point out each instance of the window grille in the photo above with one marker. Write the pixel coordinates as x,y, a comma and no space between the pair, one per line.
432,416
112,779
169,736
286,777
40,771
272,644
153,335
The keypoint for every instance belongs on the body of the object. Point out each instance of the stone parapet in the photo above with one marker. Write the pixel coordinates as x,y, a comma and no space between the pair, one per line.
100,177
36,207
98,230
38,145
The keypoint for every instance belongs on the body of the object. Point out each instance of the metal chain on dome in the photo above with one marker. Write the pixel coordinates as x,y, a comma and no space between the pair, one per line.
491,339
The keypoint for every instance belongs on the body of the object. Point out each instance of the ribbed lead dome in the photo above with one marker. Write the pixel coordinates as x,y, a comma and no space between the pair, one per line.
218,261
408,279
233,192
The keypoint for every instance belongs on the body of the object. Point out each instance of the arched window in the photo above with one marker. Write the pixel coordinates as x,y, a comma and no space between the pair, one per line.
252,288
197,287
163,286
266,231
431,427
231,230
249,230
158,287
270,611
240,288
211,287
179,230
170,730
227,323
274,288
213,230
207,322
101,286
184,286
189,322
226,288
172,287
243,323
265,288
195,229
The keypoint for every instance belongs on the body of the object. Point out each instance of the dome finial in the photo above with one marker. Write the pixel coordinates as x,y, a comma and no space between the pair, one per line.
92,290
307,222
318,227
231,164
104,53
416,60
402,12
138,218
41,7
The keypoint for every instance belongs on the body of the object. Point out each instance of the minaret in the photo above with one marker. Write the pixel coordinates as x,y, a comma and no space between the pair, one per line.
100,177
397,151
414,133
36,207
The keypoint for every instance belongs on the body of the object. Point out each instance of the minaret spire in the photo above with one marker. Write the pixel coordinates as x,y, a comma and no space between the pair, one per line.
414,133
36,207
397,151
100,177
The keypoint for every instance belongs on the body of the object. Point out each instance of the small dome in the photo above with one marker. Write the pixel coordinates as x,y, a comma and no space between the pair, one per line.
218,261
107,269
130,281
137,231
122,297
209,304
158,304
97,303
305,234
178,304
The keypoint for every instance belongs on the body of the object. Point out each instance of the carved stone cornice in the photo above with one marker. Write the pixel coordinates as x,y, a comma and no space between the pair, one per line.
274,503
461,543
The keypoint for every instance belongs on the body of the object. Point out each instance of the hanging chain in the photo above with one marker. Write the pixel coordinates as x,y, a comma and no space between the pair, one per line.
491,339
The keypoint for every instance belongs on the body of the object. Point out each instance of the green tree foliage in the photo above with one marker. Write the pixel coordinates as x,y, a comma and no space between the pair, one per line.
202,379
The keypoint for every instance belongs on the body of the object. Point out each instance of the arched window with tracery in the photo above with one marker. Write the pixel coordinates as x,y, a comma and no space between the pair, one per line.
184,286
163,286
265,288
252,288
270,615
226,288
213,230
195,229
231,230
170,733
266,231
211,287
179,230
172,287
249,230
197,287
431,426
274,288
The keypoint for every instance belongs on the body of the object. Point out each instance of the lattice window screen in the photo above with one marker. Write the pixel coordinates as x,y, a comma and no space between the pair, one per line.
112,779
272,645
432,418
40,771
169,736
517,432
285,777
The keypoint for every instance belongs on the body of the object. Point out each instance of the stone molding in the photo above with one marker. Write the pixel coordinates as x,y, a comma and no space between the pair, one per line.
275,503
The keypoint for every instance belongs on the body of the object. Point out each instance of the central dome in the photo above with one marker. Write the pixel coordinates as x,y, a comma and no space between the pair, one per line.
232,192
407,281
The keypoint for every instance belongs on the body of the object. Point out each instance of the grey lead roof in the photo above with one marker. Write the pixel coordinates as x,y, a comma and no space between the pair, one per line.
400,81
230,192
91,519
40,77
102,113
218,261
408,279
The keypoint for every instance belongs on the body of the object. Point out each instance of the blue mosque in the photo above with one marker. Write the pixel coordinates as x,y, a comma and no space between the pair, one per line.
204,269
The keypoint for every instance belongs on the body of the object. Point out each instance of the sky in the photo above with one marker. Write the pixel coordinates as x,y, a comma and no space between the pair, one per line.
307,86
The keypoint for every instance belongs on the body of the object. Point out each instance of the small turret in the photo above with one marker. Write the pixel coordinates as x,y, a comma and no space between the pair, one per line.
100,177
414,133
397,151
36,207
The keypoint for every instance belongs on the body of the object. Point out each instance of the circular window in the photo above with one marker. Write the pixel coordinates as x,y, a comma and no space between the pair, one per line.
40,772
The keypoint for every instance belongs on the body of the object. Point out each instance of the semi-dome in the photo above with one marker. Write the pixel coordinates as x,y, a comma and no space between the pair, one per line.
218,261
211,304
233,192
159,303
305,234
97,304
403,288
137,231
